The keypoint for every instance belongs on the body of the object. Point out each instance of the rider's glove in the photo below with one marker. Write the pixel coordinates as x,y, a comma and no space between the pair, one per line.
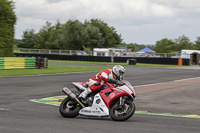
115,82
112,81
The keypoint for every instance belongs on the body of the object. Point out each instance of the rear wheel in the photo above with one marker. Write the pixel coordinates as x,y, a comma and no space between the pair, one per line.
69,108
124,112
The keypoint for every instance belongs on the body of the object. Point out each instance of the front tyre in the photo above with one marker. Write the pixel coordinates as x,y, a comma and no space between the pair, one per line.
69,108
124,112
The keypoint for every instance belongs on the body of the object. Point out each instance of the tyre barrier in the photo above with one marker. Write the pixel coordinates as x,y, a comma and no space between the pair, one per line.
131,61
17,62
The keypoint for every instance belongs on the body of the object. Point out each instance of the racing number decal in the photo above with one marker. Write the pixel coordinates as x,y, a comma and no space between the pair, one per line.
112,95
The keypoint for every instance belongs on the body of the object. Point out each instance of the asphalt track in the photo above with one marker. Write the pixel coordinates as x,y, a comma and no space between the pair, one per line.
19,115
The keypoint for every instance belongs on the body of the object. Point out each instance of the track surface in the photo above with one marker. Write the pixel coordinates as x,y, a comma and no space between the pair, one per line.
19,115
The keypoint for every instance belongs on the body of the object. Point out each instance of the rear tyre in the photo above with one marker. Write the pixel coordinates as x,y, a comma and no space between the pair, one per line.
123,113
69,110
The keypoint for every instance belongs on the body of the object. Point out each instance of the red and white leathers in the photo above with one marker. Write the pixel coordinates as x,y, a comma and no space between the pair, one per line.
101,78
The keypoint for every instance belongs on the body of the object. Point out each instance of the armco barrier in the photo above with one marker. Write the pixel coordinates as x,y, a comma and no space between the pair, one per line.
167,61
17,62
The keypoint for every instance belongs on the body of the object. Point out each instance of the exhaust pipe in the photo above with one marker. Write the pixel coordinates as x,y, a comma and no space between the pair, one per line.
72,95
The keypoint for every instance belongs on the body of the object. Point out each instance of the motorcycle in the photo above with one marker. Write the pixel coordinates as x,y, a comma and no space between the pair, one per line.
114,101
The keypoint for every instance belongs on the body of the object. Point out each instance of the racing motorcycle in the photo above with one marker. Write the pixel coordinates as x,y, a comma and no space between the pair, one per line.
114,101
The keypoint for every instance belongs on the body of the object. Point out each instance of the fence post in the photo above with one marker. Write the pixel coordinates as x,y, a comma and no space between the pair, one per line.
38,62
199,62
112,55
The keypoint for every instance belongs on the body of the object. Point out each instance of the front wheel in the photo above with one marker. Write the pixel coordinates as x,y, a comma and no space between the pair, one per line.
69,108
123,112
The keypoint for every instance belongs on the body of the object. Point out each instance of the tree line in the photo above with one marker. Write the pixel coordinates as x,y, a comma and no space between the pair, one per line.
72,35
75,35
173,45
166,45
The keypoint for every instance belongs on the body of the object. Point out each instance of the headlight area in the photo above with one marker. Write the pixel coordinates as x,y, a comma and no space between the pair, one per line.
134,97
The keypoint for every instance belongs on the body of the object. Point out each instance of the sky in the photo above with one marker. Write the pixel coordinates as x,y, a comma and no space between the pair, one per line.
138,21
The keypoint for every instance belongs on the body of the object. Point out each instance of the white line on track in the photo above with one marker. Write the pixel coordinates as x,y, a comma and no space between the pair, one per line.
3,109
34,100
180,116
167,82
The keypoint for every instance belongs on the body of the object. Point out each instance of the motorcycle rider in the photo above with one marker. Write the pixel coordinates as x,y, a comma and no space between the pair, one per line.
95,83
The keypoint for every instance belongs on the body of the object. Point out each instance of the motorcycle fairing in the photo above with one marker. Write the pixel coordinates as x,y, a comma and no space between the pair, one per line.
127,89
98,108
109,95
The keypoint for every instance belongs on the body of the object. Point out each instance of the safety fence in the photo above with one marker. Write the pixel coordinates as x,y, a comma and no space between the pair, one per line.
17,62
166,61
52,51
100,53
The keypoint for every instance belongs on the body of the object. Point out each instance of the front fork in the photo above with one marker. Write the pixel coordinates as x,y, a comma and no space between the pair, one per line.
122,100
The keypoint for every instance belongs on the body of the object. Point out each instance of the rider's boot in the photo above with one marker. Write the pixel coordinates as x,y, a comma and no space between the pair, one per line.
84,94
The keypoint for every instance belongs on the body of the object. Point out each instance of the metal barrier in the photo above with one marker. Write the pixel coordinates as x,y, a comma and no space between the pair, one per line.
90,53
52,51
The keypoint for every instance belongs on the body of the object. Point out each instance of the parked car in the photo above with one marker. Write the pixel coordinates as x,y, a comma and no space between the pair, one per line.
80,53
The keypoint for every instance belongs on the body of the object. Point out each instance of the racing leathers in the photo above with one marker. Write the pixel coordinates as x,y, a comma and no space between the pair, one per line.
95,83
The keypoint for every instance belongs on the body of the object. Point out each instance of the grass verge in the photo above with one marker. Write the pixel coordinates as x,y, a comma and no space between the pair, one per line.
52,69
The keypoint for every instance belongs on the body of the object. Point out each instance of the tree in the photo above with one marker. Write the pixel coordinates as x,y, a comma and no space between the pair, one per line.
72,35
108,33
28,39
183,42
197,43
7,22
44,36
164,46
48,37
93,38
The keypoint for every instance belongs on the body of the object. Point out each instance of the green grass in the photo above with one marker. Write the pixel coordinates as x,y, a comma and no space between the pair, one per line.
109,63
52,69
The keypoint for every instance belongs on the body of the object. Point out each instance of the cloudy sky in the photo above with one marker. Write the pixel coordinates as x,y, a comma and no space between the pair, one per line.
138,21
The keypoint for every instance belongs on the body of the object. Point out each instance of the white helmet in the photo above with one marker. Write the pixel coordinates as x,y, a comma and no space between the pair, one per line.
118,71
